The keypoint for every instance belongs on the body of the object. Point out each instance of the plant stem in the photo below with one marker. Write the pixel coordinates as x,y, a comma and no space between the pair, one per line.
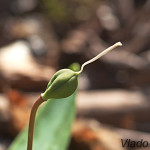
99,55
32,120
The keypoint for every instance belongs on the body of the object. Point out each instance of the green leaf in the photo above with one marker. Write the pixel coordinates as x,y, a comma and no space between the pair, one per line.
52,126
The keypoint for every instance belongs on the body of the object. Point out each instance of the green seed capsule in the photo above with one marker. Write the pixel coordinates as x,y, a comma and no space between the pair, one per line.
63,84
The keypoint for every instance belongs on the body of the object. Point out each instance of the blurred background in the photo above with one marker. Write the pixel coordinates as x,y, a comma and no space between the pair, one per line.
39,37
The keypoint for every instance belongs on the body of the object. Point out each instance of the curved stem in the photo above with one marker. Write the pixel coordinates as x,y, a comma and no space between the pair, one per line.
32,120
99,55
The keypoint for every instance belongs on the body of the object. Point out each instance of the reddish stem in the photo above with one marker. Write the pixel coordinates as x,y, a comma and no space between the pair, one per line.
32,120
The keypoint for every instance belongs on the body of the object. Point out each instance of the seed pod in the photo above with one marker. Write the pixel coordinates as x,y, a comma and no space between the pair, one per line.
63,84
